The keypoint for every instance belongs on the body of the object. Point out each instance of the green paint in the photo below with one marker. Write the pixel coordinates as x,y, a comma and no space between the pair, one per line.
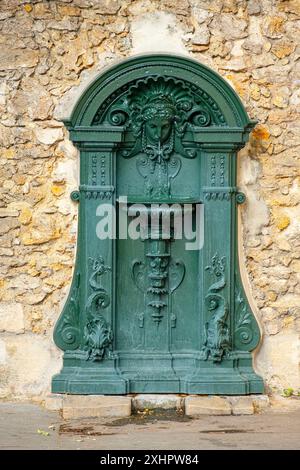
150,316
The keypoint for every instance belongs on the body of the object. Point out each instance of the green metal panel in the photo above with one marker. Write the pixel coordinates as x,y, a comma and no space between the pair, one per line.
149,315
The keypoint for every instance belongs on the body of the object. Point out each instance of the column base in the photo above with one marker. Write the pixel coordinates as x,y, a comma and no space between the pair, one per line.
89,381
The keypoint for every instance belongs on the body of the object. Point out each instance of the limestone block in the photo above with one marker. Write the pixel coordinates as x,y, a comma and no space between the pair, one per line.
25,282
66,171
237,64
201,35
48,136
207,405
68,10
104,7
4,381
3,354
68,150
242,405
7,224
15,58
65,25
229,26
53,402
274,27
41,231
6,252
33,99
32,361
25,216
150,402
282,404
260,403
158,31
252,46
11,317
201,15
8,212
278,359
253,7
96,406
5,14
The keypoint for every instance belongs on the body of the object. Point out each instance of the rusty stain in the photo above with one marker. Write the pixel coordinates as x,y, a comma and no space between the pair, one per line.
261,133
82,431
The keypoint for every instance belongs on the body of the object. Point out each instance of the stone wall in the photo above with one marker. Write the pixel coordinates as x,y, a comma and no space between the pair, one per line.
49,50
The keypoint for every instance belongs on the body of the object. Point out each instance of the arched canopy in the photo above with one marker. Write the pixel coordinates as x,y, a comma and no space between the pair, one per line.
110,84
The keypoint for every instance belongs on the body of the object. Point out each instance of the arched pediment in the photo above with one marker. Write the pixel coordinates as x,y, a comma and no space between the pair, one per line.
115,88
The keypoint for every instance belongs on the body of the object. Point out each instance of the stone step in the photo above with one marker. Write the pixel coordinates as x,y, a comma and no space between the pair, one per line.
84,406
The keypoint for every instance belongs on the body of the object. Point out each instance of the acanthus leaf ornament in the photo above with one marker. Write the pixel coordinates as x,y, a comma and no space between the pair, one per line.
243,334
97,332
216,331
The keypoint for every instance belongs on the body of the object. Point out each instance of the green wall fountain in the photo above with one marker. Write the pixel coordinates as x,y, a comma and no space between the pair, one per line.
149,315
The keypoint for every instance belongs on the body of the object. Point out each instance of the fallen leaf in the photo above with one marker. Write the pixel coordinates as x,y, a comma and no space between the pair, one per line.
43,433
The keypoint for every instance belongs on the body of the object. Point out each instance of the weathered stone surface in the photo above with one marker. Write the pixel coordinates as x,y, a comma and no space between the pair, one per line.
4,212
3,355
283,49
157,31
289,6
33,99
38,233
25,282
237,64
7,224
229,26
274,27
65,24
207,405
261,403
11,59
31,361
108,7
34,298
201,14
6,252
150,402
283,222
201,35
252,46
69,10
278,359
53,402
242,405
47,57
11,317
3,92
25,216
48,136
73,407
96,406
254,7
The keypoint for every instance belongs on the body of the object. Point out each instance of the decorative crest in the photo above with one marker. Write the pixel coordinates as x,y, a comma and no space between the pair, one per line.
160,110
